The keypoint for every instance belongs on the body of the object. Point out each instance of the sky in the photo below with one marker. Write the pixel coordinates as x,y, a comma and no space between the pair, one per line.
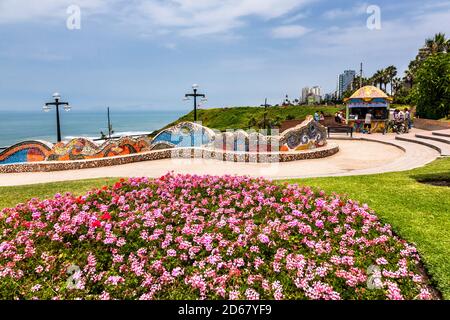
146,54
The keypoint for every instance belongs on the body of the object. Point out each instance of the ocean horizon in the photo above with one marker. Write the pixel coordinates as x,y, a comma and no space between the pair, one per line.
17,126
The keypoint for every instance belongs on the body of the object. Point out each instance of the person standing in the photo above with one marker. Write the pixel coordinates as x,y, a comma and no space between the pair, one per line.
408,118
316,116
322,116
368,121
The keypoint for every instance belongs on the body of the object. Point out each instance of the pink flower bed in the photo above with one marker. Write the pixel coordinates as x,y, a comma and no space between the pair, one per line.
203,237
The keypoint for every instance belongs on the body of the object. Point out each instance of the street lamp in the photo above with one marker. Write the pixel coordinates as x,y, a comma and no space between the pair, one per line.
265,105
56,104
195,95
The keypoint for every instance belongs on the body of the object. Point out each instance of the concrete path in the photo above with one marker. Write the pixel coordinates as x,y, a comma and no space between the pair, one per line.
356,157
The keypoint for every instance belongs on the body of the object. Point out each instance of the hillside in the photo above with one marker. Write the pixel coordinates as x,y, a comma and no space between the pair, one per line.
251,117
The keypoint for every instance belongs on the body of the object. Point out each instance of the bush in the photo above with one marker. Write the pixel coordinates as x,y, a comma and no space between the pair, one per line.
190,237
432,90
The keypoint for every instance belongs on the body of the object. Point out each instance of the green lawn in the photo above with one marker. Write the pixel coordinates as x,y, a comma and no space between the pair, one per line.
418,212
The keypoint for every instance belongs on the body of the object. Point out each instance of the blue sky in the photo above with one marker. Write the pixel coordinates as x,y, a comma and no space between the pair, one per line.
146,53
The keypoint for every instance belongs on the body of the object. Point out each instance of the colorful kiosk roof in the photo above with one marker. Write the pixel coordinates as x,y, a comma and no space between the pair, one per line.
368,97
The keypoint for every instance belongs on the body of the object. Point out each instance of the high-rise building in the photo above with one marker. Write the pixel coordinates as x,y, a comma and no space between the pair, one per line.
345,81
305,92
311,95
316,90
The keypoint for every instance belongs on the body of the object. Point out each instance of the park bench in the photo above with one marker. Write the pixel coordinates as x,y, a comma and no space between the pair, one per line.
335,127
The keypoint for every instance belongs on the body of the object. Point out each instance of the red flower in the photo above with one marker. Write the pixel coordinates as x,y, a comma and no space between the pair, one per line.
106,216
96,224
104,188
122,180
285,200
117,185
79,200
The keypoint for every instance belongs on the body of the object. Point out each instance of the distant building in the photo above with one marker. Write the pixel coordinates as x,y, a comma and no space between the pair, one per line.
311,95
305,92
345,81
316,90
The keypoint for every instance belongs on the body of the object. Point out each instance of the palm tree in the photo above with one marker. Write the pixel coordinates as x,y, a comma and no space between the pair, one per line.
437,44
391,73
377,78
396,85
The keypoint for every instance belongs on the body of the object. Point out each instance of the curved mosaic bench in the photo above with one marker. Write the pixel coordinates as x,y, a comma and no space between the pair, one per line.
308,135
26,151
306,141
83,149
181,153
186,134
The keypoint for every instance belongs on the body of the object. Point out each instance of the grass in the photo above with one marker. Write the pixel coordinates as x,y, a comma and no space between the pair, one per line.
240,117
418,212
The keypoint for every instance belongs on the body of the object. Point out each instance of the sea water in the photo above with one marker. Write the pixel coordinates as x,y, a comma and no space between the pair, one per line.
20,126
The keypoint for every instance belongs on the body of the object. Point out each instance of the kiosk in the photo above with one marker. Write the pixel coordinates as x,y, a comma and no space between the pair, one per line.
365,99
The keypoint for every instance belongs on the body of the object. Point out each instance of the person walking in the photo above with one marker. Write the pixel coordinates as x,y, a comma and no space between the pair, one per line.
368,121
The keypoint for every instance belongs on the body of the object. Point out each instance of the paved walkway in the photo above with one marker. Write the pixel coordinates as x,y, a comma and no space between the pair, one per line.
356,157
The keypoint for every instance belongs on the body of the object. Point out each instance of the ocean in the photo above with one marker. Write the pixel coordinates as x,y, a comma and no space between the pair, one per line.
19,126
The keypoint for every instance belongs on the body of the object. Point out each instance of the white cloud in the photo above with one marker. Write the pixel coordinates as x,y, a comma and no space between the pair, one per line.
206,17
289,32
339,13
188,18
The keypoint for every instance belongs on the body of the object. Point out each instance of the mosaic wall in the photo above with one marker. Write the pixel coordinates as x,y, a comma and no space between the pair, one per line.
49,166
27,151
306,136
83,149
76,149
185,134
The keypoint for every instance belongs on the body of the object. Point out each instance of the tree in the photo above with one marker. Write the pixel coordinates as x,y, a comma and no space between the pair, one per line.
431,93
396,85
391,72
377,78
437,44
252,122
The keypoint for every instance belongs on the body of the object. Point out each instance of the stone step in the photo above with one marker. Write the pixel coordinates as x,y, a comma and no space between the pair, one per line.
442,148
435,138
441,134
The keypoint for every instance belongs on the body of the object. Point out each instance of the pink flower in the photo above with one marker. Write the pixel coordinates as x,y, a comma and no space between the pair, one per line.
381,261
36,288
171,253
263,238
319,224
251,294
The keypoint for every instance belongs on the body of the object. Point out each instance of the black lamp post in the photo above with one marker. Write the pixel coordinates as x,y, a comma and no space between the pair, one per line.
265,105
56,104
195,95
